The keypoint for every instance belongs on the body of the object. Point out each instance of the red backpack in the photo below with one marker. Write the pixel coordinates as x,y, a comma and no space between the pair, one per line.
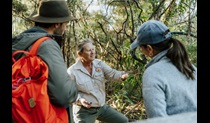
30,101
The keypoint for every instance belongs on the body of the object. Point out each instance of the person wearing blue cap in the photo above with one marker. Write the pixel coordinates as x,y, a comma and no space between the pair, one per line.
170,79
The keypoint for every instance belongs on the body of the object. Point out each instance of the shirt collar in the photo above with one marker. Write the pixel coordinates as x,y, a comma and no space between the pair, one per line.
157,58
79,66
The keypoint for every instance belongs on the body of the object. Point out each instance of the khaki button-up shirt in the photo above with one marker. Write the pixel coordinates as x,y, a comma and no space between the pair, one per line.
92,87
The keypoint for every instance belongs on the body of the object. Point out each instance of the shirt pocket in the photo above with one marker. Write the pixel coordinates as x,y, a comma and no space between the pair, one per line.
85,85
99,75
100,79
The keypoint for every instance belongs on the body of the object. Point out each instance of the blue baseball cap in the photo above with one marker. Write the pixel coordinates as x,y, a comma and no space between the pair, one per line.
151,32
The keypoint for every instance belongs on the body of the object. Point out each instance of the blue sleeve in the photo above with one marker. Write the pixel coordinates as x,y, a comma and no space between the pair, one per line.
153,94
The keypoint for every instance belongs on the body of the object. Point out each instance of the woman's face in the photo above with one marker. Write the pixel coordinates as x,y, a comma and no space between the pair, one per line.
144,51
147,51
88,54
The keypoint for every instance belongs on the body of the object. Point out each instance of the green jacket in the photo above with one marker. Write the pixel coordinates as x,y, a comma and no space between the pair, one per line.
61,89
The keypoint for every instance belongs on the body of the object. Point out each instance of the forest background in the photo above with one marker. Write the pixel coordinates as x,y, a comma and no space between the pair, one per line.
112,25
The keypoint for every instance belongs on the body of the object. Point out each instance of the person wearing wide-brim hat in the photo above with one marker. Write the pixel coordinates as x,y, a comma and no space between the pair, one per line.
52,11
170,79
51,20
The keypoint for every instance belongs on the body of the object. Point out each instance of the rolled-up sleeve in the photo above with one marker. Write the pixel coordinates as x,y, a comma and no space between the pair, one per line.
110,73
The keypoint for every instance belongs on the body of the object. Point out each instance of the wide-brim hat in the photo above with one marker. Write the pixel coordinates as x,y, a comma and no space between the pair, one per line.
151,32
52,11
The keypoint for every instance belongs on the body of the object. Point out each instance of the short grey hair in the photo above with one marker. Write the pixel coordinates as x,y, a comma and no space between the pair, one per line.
80,47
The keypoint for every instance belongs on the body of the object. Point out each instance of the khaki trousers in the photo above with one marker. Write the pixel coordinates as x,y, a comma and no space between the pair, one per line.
105,114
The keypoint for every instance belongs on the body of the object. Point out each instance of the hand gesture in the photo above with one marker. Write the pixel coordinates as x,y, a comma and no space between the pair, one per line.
124,76
85,103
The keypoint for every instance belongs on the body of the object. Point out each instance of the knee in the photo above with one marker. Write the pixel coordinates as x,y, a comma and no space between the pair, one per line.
123,120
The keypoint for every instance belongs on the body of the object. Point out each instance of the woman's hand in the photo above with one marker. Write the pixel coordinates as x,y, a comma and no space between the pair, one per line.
124,76
85,103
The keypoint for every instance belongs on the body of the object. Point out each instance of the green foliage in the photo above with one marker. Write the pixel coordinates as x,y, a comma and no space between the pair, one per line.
192,52
128,94
113,29
18,7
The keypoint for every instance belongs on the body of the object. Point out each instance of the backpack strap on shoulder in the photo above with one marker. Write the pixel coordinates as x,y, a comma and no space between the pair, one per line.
36,45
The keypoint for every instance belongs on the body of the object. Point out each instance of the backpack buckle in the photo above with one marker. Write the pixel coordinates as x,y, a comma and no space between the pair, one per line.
26,79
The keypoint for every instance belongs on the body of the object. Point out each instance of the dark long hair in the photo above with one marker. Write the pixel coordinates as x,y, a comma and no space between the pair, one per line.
178,55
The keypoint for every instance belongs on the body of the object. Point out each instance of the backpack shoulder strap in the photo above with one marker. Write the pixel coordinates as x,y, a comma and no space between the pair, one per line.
36,45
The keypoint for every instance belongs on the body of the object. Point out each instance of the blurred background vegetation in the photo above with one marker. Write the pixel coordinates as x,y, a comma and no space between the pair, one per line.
112,25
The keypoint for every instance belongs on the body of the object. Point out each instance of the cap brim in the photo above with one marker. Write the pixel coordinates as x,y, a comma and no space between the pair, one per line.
134,45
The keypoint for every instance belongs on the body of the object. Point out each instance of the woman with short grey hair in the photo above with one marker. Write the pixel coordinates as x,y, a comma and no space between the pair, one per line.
90,75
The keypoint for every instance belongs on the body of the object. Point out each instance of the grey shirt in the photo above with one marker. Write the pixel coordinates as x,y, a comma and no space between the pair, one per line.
92,87
167,91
